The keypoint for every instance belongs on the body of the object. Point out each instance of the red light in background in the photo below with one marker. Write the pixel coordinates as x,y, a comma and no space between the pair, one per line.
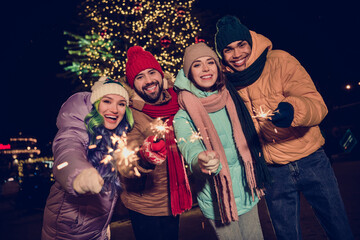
3,147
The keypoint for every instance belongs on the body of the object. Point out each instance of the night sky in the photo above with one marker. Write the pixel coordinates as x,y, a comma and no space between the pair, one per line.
323,36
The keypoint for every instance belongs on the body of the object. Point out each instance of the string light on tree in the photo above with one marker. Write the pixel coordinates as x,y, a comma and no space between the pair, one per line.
165,28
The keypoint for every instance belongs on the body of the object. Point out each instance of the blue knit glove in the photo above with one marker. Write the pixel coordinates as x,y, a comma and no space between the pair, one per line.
283,115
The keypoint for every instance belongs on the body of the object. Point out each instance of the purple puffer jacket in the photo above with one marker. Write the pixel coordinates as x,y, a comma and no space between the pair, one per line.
69,215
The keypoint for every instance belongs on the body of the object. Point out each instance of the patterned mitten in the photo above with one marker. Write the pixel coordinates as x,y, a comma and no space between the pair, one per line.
153,152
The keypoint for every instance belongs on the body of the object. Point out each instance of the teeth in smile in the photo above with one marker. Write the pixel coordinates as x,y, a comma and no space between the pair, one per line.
151,88
240,61
206,77
111,117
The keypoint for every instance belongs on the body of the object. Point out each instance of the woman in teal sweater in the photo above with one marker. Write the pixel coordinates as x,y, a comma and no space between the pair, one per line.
222,165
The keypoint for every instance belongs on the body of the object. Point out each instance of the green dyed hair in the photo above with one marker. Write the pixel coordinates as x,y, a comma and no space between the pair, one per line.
129,116
93,120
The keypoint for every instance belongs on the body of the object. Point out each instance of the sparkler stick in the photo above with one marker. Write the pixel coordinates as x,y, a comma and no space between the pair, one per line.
196,136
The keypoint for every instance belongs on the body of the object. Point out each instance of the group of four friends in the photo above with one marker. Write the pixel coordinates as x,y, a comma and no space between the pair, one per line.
239,157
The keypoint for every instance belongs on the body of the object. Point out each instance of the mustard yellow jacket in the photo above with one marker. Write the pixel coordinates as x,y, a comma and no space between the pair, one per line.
284,80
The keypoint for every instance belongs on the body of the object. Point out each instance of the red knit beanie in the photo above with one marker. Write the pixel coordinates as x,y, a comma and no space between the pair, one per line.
138,60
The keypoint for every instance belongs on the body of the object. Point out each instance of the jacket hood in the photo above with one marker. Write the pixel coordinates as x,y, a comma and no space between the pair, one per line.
259,44
71,111
183,83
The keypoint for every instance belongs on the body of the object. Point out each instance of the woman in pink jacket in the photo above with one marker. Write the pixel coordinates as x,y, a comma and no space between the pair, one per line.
82,199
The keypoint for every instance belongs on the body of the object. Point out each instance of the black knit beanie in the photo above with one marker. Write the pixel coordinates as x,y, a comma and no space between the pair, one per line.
230,29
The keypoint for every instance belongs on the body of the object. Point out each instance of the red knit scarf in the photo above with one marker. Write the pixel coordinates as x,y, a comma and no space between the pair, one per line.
180,193
198,109
164,111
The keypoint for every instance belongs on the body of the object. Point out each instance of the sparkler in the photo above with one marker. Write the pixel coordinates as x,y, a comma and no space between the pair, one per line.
120,155
160,128
195,136
262,114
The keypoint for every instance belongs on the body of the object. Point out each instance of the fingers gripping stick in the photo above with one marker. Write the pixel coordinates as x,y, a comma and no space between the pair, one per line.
209,162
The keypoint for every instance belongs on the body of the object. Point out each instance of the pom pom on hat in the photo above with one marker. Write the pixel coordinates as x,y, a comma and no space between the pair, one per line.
106,85
139,60
230,29
196,51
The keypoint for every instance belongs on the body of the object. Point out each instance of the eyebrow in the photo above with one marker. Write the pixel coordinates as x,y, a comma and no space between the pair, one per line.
151,70
209,58
240,42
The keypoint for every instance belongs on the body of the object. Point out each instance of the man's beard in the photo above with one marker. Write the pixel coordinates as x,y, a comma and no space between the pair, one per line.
150,98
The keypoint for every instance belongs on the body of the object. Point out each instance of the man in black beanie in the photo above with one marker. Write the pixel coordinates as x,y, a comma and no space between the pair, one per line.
274,82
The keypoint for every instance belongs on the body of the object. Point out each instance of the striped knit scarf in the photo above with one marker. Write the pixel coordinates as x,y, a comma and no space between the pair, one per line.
198,109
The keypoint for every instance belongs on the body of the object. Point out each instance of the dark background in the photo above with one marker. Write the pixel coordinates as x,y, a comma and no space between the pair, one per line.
323,36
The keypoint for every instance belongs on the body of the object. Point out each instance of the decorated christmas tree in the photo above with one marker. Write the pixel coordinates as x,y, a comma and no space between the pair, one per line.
165,28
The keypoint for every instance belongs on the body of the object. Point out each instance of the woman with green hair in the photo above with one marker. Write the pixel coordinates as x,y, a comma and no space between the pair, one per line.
83,197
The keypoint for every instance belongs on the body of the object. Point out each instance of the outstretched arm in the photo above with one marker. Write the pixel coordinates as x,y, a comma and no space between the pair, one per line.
71,141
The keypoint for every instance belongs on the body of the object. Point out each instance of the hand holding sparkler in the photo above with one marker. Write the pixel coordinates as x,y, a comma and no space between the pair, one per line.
283,115
153,151
88,180
209,161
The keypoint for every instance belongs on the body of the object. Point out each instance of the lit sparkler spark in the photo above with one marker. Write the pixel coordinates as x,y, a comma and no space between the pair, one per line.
180,139
262,114
160,128
107,159
195,136
121,155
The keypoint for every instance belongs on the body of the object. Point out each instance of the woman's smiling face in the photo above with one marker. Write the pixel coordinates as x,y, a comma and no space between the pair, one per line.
112,107
204,72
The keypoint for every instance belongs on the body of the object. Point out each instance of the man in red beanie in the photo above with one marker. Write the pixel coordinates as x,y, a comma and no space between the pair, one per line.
156,199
